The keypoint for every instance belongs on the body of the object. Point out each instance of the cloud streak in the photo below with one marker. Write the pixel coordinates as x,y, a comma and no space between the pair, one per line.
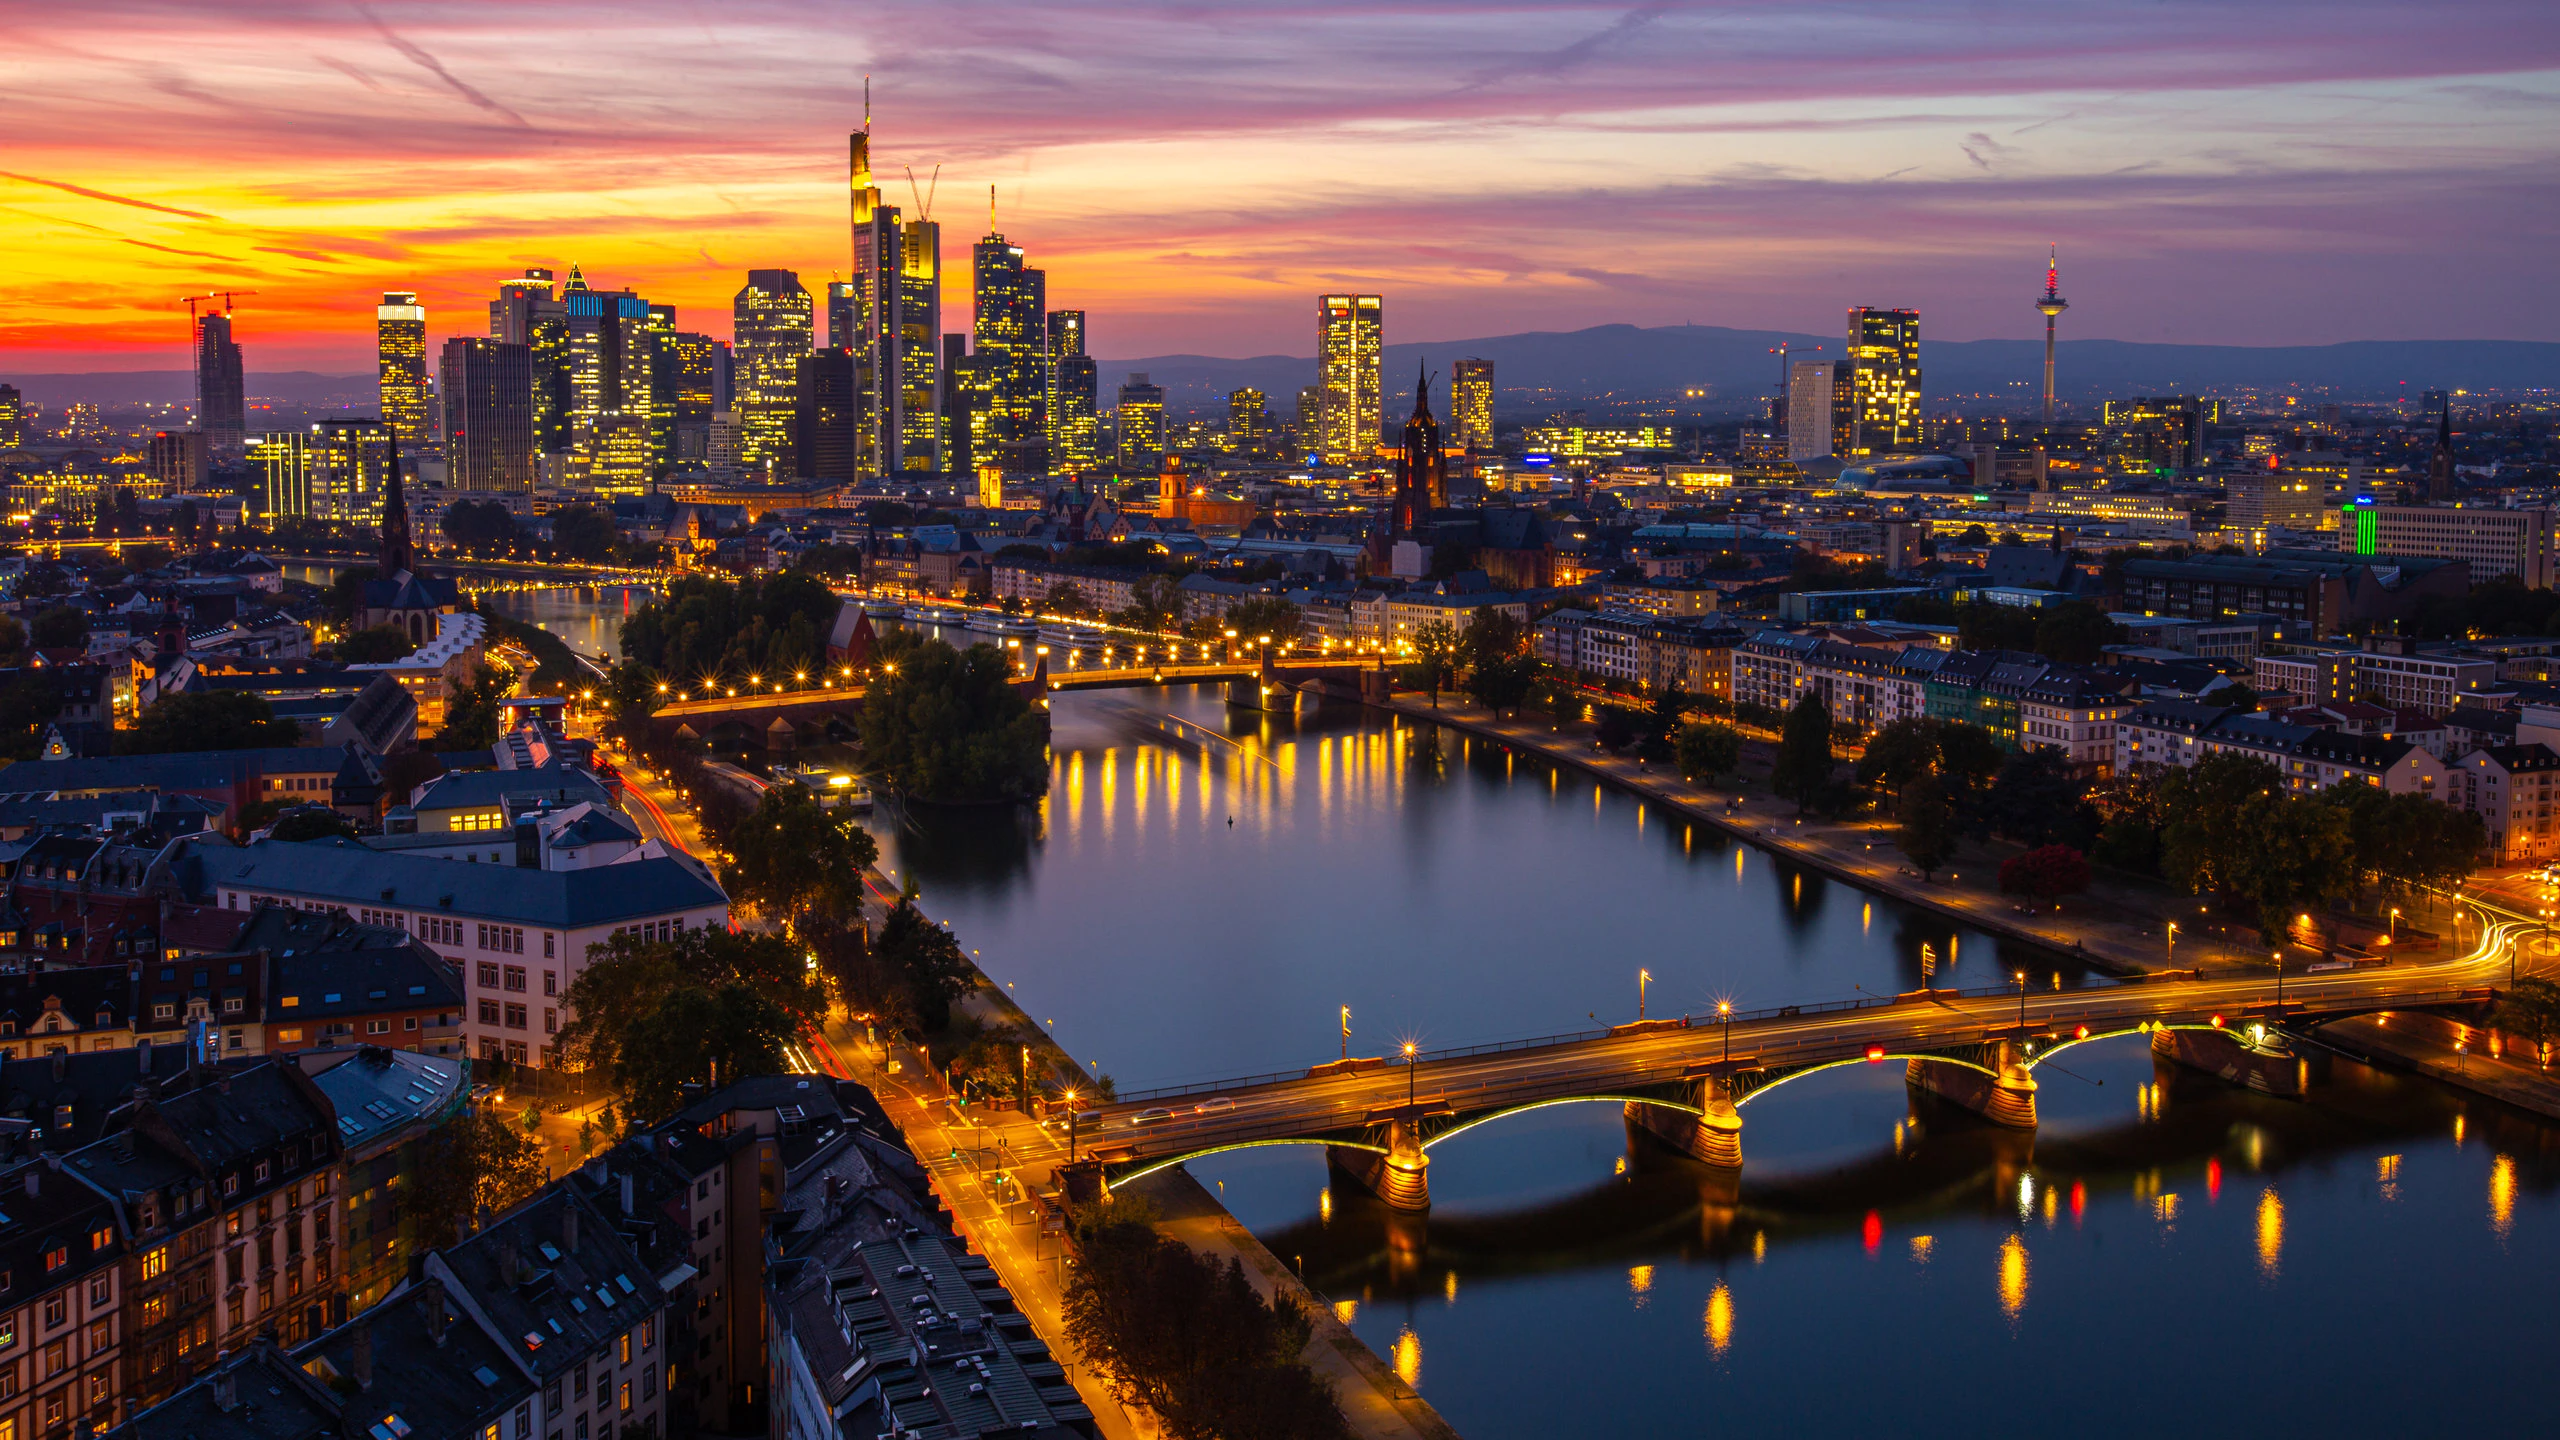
424,61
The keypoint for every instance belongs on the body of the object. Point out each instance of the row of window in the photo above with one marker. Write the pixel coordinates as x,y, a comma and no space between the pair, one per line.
493,976
514,1016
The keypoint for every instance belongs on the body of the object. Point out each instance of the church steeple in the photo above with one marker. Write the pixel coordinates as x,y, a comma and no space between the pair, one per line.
398,554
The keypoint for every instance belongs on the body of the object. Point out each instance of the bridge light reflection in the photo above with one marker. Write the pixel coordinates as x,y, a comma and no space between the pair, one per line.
1640,1284
1409,1358
2013,1276
2502,1195
2270,1232
1719,1320
1872,1232
1921,1245
2026,1196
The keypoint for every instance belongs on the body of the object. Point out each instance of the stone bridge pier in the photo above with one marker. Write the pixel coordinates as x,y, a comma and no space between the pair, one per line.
1712,1137
1400,1178
2005,1098
2264,1062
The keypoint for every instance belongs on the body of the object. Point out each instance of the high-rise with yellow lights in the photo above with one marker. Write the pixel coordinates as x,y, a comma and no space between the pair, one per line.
400,344
1350,331
891,321
1012,354
1471,406
1884,356
771,330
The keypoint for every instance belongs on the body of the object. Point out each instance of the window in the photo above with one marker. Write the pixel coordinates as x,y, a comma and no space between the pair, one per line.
488,1012
626,1347
56,1257
232,1005
626,1396
101,1290
515,1017
550,1021
164,1010
377,1027
515,978
547,942
99,1337
503,939
102,1237
488,969
648,1383
289,1035
155,1310
56,1311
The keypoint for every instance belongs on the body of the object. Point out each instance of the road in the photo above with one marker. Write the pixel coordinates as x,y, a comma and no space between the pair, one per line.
1266,1108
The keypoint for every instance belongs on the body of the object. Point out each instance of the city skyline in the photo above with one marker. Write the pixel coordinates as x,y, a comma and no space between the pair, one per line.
2211,191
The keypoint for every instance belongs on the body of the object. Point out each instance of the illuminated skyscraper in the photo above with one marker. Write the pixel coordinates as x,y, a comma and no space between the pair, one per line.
608,355
1248,422
13,418
527,313
350,469
1141,423
1818,395
959,376
1471,406
1350,330
1071,403
283,462
400,345
1011,346
222,406
771,330
1062,336
829,421
1306,434
177,460
892,325
681,382
486,389
1884,353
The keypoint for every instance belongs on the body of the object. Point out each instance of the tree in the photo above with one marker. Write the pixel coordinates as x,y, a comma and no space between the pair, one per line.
59,628
1926,821
471,717
1435,655
13,640
30,700
1707,749
1263,615
2075,632
1501,670
653,1016
703,629
2037,801
1804,752
948,725
346,593
582,532
312,822
2047,873
207,720
1155,604
1983,625
375,645
927,963
471,1161
480,526
1901,752
1614,728
2531,1012
794,855
1062,598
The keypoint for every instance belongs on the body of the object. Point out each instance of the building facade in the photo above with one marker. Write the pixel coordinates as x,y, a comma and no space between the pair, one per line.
400,349
1471,406
1884,356
772,335
1350,338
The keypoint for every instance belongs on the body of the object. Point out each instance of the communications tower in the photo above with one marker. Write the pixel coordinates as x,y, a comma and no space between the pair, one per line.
2050,304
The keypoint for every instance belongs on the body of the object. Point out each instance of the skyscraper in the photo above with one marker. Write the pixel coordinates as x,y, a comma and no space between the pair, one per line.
13,418
1308,431
959,398
1350,330
892,325
400,345
1011,345
771,325
1072,400
680,394
1062,336
1884,351
608,357
176,459
283,462
1817,396
349,468
1248,422
486,388
1471,406
1141,423
527,313
2050,305
222,405
828,435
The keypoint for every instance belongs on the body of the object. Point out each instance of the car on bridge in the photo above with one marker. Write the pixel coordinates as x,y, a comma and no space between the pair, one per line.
1216,1105
1156,1116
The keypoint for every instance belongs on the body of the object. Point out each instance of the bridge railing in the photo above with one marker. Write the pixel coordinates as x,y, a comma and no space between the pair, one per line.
2048,1013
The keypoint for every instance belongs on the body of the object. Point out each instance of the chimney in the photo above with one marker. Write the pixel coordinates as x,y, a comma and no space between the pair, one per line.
61,1066
436,1319
569,1227
32,1182
507,1260
226,1391
627,1206
364,1357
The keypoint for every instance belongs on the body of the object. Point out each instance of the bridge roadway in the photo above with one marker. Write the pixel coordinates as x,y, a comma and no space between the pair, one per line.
1699,1065
762,708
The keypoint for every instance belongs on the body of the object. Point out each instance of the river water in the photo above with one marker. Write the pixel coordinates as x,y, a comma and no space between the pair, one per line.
1202,892
588,617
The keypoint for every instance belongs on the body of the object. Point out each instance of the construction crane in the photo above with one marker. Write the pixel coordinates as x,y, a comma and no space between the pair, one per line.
225,296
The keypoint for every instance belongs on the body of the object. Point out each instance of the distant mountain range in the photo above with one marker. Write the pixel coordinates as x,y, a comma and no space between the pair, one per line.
1625,361
1733,366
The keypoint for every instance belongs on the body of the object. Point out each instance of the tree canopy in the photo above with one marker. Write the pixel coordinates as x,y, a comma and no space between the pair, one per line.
209,720
794,855
1804,752
653,1016
582,532
948,725
775,626
59,628
376,645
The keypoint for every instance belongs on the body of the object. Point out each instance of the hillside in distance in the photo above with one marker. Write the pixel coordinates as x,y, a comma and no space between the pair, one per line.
1733,366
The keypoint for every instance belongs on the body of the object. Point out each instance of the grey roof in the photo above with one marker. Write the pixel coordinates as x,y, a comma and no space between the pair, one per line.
199,770
379,1092
256,1394
435,1390
555,1303
331,967
629,889
555,785
590,824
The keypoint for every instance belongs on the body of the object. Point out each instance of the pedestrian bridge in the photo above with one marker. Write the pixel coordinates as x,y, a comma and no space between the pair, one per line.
1269,685
1686,1079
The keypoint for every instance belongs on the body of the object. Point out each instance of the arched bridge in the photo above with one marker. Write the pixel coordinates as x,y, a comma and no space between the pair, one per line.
1686,1079
1269,685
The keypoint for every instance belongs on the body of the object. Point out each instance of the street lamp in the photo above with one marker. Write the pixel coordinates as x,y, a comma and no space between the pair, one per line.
1071,1126
2022,999
1410,1067
2279,982
2173,945
1643,978
1346,1032
1724,1010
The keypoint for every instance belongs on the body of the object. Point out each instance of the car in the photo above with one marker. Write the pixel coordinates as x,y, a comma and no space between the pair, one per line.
1217,1106
1156,1116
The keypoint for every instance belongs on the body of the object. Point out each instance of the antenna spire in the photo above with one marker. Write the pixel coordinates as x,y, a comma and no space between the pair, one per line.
866,104
991,209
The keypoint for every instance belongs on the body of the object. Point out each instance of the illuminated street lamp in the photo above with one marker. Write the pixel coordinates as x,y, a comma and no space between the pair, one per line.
1071,1127
1643,979
2022,999
2173,945
1410,1068
1724,1011
2279,982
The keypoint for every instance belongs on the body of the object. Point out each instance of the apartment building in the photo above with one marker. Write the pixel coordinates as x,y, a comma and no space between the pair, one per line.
61,1336
2515,790
2492,542
520,935
2075,716
2174,733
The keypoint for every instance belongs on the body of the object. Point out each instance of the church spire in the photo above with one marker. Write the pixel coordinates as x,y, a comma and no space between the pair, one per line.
398,555
1421,390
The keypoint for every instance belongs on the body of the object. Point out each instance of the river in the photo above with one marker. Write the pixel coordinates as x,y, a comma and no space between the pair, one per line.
1201,893
588,617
